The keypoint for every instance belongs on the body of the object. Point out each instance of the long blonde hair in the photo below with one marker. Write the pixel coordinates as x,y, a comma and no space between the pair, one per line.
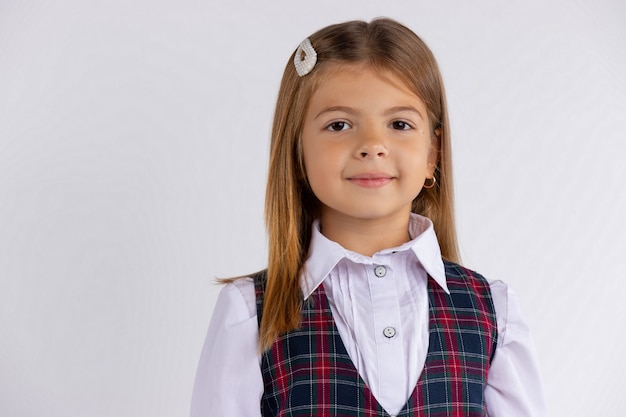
385,46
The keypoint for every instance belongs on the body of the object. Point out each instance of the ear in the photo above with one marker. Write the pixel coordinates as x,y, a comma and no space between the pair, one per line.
433,153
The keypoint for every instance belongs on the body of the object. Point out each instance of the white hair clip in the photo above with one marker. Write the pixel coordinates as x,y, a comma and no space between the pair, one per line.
305,58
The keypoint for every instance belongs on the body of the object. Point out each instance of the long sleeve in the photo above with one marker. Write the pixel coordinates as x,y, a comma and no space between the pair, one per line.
228,380
514,386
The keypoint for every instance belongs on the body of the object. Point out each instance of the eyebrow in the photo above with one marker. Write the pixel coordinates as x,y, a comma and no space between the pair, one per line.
344,109
403,108
387,112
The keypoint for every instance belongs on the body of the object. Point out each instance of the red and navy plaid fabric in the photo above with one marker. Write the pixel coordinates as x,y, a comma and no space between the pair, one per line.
308,372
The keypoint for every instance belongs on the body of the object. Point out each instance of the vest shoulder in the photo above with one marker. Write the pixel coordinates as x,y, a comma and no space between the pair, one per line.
456,271
259,277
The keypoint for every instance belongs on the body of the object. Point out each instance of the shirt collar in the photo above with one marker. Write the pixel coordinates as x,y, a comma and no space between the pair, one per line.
324,254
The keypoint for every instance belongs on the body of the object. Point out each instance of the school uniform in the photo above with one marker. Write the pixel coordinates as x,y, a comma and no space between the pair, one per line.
402,333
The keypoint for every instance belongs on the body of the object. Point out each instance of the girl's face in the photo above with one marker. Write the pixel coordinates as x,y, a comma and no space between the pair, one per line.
367,145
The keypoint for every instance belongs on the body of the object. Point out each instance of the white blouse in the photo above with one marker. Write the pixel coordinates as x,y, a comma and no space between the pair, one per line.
380,306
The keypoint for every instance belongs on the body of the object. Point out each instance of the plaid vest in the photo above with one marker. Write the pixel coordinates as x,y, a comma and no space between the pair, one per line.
308,372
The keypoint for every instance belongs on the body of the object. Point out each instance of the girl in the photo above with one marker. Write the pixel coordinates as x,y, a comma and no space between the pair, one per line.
363,309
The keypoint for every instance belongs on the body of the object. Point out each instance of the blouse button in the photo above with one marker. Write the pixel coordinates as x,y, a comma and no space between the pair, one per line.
389,332
380,271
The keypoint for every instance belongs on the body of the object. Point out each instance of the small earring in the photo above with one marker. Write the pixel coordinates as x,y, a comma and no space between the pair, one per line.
432,184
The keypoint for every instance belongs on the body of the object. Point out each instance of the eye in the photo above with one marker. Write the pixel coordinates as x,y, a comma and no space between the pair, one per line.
400,125
337,126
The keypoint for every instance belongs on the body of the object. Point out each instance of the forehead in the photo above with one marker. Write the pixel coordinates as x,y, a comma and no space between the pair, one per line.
350,82
333,71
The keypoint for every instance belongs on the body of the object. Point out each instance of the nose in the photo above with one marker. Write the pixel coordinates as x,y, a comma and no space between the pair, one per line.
372,144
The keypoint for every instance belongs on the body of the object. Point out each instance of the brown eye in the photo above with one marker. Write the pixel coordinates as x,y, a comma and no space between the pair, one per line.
400,125
337,126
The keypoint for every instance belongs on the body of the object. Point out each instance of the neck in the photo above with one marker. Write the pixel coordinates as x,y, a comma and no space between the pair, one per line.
366,236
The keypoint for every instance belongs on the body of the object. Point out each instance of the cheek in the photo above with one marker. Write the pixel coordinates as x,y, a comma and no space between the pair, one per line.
321,158
313,163
415,159
318,174
324,170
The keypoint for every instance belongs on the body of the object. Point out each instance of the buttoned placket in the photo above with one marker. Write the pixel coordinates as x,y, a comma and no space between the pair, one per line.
387,323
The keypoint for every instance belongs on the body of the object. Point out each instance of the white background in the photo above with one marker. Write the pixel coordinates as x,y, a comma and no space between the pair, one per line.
133,153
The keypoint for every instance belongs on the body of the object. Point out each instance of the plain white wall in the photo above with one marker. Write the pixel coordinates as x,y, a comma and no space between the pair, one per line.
133,152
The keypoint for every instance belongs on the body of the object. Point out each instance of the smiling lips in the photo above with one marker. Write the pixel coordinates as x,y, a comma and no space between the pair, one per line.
371,180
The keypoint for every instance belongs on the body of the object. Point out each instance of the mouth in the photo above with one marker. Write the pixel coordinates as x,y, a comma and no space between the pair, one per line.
371,180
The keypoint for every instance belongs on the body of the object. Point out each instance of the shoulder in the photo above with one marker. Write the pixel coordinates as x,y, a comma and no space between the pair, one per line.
503,298
239,294
259,278
499,290
507,307
456,273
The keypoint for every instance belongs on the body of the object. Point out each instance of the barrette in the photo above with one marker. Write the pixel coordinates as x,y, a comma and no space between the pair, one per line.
305,58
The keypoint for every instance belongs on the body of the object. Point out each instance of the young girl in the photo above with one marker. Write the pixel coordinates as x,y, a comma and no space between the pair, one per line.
363,309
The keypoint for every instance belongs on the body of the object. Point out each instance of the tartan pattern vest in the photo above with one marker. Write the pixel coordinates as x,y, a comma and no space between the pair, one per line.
308,372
